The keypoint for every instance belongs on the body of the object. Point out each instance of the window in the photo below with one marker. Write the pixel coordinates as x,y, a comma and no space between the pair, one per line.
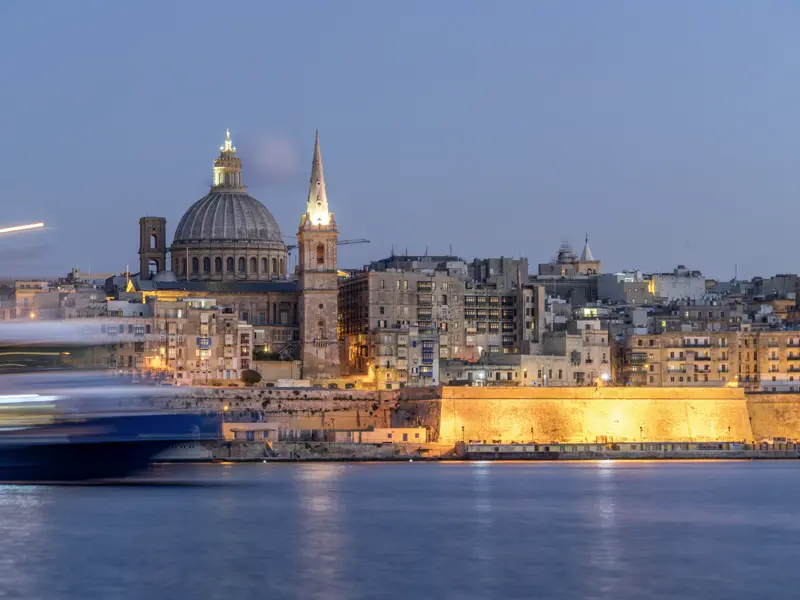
253,265
153,242
283,271
218,265
241,264
405,284
383,310
381,284
195,265
206,265
638,342
320,254
229,266
264,265
652,342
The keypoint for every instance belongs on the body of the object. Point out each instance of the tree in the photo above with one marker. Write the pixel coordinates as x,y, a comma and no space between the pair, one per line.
250,377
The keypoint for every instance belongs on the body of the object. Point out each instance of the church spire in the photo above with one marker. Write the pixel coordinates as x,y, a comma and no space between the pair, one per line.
586,255
317,204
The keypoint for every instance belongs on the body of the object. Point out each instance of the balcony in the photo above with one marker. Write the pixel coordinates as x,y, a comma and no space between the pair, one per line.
702,358
793,357
676,358
678,370
793,344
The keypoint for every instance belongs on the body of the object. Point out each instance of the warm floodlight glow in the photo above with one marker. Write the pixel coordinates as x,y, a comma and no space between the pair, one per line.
21,227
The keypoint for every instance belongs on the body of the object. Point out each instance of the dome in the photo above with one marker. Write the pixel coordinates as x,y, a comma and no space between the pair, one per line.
165,277
228,215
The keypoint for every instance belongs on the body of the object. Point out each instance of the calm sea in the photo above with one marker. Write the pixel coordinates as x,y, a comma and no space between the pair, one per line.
613,530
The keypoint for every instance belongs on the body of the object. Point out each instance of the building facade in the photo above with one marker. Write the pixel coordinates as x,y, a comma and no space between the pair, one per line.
756,360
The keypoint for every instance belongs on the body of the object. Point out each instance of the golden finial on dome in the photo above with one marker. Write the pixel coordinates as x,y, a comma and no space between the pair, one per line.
228,147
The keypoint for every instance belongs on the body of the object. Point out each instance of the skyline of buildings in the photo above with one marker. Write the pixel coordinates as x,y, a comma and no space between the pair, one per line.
227,282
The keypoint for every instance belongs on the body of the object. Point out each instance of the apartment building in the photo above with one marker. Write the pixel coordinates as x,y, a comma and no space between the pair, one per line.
756,360
399,356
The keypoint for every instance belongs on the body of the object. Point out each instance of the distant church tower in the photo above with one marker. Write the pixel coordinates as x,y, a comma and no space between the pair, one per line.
316,244
152,246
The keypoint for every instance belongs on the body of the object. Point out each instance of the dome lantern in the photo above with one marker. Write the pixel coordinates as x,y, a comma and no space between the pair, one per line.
227,166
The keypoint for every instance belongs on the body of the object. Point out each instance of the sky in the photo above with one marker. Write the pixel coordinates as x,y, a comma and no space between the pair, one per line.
667,131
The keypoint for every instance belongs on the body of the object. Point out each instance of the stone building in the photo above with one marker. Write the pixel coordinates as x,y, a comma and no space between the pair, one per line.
756,360
567,264
229,247
681,284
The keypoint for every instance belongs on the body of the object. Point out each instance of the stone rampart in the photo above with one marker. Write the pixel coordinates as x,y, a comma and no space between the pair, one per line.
774,416
580,415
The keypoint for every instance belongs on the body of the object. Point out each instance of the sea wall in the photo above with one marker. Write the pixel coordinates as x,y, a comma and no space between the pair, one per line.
581,415
302,409
774,415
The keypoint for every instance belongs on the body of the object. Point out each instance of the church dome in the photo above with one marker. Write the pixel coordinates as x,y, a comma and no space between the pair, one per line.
228,215
228,235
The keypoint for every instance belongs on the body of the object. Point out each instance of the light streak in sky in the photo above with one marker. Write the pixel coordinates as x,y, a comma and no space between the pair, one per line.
21,227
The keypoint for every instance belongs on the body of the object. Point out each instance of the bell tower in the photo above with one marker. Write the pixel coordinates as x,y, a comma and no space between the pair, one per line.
316,245
152,246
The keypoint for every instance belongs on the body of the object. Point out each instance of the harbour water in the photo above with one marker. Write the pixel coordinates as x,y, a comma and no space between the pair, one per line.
413,530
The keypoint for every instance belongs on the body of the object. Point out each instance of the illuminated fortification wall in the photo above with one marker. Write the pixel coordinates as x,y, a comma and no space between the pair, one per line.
774,415
583,414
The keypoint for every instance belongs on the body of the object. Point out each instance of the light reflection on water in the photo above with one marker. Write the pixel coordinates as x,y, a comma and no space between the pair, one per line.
20,527
322,541
466,530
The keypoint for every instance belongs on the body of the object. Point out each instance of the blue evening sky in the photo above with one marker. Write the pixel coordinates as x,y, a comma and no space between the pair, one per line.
667,130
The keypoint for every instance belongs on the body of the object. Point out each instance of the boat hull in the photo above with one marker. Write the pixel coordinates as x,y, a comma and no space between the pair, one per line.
96,448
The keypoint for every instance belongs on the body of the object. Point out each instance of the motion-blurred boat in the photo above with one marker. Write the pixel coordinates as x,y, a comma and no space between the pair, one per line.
59,423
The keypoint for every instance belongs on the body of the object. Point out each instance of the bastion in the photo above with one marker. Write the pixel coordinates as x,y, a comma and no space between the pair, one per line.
582,415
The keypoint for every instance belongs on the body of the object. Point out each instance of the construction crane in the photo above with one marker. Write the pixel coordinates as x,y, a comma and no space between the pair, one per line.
290,247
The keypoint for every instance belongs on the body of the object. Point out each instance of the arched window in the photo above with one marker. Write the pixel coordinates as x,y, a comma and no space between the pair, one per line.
218,265
206,265
241,264
153,242
195,265
321,330
320,254
182,269
282,268
264,266
152,267
227,179
274,266
230,264
253,265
